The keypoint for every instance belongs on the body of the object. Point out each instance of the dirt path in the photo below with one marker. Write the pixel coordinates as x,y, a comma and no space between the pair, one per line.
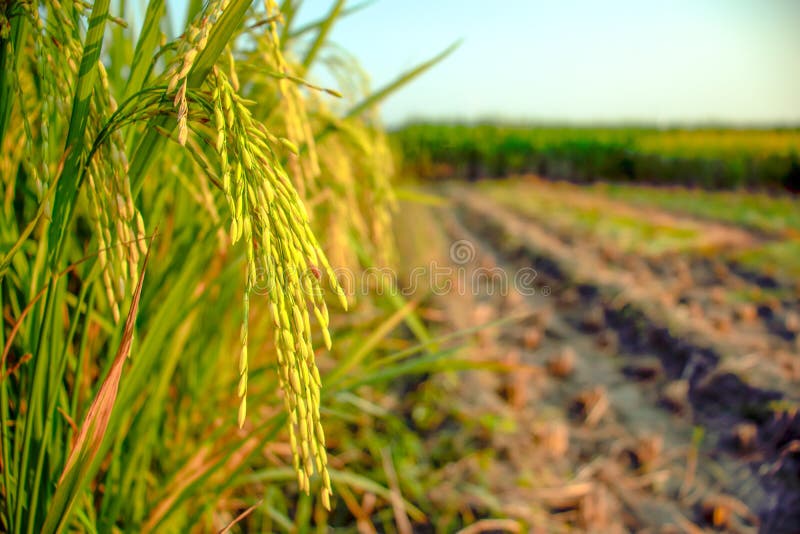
625,415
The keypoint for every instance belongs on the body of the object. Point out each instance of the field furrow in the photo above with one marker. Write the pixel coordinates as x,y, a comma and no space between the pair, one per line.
641,393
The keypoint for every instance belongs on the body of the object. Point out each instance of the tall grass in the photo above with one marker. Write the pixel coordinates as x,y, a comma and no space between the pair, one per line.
214,156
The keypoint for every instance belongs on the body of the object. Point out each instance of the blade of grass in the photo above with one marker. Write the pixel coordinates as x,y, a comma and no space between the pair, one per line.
418,365
19,30
280,518
412,320
38,390
381,94
288,9
4,427
323,29
399,82
311,26
183,488
364,484
12,334
421,197
81,462
75,149
385,361
398,505
145,47
59,366
396,300
194,8
377,335
241,516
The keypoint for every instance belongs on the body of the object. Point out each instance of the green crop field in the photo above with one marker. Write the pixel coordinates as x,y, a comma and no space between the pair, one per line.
703,157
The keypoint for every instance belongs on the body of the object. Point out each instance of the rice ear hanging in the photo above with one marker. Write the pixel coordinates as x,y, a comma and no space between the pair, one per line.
268,215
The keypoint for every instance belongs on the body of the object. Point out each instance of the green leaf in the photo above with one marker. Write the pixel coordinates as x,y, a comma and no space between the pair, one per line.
399,82
323,29
19,30
145,47
69,182
82,461
311,26
369,343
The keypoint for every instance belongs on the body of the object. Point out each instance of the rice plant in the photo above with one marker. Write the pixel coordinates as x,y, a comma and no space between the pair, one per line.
209,161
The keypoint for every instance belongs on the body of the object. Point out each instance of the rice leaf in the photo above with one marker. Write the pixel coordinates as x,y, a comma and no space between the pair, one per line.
69,182
322,34
382,93
81,462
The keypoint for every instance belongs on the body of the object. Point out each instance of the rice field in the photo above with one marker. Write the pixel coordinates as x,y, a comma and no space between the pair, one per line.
233,302
699,157
173,206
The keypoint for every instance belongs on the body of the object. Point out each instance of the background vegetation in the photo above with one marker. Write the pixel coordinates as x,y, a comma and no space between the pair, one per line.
701,157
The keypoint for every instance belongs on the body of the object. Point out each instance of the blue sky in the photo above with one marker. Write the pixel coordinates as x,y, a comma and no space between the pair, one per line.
733,61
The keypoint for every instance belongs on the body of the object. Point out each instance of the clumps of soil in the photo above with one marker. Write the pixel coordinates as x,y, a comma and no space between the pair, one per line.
562,364
688,374
532,338
608,340
746,312
520,381
675,396
646,452
644,369
721,322
791,322
594,319
588,505
590,405
745,437
553,437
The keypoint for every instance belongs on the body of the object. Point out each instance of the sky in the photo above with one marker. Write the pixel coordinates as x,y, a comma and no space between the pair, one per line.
582,61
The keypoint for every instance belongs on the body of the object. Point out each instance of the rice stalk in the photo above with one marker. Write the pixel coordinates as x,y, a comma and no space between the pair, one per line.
101,140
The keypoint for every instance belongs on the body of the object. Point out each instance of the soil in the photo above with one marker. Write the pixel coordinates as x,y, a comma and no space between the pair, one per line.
641,394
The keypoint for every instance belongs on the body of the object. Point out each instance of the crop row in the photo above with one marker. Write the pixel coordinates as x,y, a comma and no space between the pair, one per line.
712,158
